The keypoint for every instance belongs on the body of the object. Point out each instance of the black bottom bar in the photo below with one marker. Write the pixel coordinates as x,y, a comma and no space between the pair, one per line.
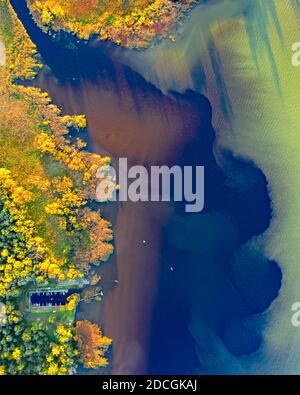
88,385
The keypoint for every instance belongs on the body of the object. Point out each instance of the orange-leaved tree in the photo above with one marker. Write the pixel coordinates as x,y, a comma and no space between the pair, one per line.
92,344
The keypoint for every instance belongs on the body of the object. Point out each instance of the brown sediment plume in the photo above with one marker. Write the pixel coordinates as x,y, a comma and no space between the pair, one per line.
128,307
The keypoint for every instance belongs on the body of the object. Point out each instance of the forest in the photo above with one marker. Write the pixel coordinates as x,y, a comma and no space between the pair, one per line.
49,235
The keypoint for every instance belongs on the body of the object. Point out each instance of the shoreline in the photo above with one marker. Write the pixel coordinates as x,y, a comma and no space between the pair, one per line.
167,33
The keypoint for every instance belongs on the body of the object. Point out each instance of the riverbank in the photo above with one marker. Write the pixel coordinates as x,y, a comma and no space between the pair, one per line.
134,24
128,305
47,233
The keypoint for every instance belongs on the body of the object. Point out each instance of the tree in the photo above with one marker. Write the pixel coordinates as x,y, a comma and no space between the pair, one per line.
92,344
